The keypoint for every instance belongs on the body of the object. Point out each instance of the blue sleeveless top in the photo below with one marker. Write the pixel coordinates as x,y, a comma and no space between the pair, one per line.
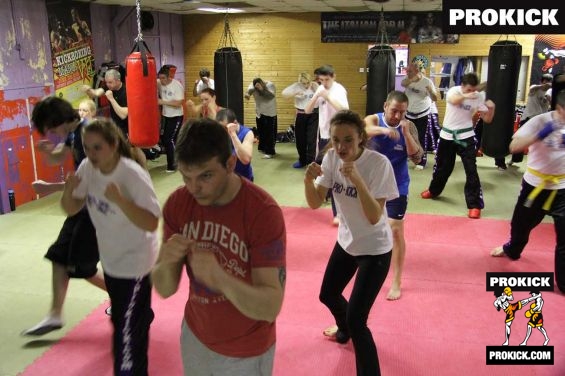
395,151
241,169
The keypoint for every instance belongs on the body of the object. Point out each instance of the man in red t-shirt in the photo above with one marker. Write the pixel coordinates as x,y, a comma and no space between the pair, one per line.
230,235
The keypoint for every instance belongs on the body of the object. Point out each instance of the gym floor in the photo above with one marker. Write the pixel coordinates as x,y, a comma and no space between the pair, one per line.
25,276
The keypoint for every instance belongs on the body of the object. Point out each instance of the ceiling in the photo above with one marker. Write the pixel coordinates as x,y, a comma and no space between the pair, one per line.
278,6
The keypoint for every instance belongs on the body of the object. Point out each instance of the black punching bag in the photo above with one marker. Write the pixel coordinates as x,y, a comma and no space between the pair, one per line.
381,75
502,83
228,79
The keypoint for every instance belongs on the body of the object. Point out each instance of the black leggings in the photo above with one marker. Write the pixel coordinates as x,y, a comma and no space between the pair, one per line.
351,317
423,135
267,129
306,131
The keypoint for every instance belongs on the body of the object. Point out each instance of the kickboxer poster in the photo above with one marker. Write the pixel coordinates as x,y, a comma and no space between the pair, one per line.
71,48
548,56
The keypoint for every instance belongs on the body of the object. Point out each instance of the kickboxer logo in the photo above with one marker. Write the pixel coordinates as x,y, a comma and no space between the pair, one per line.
505,302
527,311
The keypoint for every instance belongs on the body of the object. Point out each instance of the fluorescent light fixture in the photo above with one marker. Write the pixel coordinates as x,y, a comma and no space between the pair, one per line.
221,10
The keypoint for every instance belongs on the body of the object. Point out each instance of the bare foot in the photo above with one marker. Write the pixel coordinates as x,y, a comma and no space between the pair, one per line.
393,293
335,334
497,252
331,331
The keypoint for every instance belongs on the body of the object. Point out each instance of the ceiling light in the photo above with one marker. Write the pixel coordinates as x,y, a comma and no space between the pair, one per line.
220,10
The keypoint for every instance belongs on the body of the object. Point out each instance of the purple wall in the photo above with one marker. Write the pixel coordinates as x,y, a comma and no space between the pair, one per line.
165,40
26,73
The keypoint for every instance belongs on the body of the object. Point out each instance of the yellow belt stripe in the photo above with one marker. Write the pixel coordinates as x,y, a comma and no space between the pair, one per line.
546,179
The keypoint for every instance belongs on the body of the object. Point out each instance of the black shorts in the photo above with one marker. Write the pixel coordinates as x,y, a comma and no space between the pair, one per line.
76,247
396,209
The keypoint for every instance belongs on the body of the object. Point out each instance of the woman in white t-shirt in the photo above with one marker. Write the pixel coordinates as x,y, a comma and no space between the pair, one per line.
362,181
123,206
305,125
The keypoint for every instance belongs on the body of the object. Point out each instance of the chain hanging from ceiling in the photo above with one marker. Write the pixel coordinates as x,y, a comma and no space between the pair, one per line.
382,36
138,14
227,39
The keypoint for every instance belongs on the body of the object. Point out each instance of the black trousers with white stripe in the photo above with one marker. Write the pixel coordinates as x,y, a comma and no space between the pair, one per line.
131,317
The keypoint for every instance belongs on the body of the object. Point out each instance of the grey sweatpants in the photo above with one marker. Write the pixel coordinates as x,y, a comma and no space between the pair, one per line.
198,360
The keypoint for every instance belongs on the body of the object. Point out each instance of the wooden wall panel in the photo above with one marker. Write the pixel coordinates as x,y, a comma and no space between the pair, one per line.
277,48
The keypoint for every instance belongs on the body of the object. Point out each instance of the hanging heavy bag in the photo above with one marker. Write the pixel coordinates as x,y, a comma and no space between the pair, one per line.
141,90
381,68
502,83
228,73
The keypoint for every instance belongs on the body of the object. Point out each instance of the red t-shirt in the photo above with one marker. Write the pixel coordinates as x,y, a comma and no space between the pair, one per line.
247,233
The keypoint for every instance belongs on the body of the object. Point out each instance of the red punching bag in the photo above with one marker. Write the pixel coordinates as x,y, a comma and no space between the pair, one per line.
141,91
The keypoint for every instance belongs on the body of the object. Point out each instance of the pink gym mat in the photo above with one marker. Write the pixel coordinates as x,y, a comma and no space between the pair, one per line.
440,326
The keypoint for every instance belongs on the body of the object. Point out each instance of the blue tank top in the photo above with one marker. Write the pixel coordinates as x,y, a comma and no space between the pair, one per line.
241,169
395,151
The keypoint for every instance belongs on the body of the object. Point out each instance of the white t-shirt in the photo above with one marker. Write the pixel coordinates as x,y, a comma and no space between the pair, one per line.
461,116
173,91
126,251
548,94
548,155
537,103
419,100
326,111
355,234
433,108
301,95
201,86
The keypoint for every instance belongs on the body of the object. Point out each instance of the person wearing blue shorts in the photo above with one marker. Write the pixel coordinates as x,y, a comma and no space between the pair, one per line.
396,137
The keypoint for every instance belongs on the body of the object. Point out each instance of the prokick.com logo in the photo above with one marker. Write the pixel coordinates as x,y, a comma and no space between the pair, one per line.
519,298
502,17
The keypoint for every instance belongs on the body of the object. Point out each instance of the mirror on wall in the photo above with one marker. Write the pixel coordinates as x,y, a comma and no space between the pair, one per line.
446,71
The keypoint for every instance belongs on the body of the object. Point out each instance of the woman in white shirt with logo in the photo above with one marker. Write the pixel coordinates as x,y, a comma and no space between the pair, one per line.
362,180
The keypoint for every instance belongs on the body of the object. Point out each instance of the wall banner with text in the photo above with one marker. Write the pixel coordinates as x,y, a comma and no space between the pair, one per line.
399,27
